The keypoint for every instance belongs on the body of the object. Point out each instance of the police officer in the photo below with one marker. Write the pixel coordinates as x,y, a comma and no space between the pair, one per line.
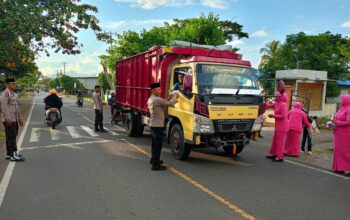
11,119
98,107
156,106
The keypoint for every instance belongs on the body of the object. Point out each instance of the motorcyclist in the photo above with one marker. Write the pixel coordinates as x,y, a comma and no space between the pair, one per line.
53,101
79,96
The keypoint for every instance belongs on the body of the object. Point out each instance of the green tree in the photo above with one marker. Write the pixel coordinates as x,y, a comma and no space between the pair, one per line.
103,82
203,30
324,51
54,83
30,80
25,24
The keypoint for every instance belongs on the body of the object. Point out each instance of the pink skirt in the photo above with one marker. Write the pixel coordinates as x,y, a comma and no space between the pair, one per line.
341,161
292,144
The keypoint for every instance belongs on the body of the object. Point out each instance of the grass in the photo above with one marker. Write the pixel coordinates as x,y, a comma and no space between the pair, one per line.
2,136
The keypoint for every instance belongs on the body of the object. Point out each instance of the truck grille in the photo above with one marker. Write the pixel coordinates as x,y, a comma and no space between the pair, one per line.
233,125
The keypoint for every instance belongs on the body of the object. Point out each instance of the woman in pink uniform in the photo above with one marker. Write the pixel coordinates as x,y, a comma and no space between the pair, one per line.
297,118
281,127
341,161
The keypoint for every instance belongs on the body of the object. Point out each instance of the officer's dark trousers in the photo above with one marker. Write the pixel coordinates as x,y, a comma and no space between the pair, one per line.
11,132
98,120
157,144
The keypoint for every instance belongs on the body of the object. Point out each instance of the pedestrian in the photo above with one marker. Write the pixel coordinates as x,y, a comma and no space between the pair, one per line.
11,119
111,102
281,127
156,106
98,107
341,121
307,133
297,120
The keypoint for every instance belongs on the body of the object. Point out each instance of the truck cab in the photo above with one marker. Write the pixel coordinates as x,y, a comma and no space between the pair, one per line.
218,104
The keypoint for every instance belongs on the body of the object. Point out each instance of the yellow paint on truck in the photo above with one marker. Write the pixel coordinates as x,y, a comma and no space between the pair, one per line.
233,112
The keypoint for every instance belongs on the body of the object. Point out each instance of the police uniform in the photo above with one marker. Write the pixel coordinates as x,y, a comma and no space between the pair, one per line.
10,112
98,106
156,107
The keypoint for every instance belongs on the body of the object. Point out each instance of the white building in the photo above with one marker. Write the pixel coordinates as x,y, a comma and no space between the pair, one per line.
89,82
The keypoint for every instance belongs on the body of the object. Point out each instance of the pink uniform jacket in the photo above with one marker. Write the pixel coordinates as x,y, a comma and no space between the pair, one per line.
343,117
297,118
281,113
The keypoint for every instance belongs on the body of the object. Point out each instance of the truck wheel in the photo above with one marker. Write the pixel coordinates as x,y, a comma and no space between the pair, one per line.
229,149
140,126
130,125
180,149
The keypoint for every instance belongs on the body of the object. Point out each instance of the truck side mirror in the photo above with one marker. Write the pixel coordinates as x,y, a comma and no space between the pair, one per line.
187,81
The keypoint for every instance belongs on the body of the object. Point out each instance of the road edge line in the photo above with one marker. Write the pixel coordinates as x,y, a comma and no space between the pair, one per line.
316,169
11,166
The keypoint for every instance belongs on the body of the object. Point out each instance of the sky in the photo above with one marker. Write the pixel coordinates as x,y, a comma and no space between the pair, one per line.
263,20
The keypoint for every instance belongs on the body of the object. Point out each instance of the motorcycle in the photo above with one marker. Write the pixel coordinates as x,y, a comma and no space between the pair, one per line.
53,117
80,101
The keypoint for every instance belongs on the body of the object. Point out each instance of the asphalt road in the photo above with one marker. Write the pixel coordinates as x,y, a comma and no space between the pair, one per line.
73,173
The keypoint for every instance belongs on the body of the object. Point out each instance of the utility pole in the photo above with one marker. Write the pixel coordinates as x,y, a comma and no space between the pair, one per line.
64,68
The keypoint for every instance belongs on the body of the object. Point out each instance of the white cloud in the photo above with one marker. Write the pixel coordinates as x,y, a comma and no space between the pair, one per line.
127,23
346,24
260,33
87,60
218,4
236,43
152,4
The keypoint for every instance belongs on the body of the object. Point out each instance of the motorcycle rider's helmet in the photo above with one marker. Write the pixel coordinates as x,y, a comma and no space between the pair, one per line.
53,92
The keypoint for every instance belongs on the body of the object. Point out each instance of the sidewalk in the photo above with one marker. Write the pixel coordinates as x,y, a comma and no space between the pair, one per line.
322,156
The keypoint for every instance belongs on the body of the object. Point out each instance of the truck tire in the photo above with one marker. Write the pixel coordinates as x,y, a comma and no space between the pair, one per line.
140,126
229,150
180,149
130,125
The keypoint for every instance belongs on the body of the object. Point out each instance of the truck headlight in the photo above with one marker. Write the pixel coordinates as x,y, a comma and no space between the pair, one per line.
203,125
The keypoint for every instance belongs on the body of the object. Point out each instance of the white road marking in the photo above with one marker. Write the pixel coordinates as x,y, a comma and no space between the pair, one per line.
34,136
10,168
112,132
73,132
89,131
119,128
55,134
67,145
316,169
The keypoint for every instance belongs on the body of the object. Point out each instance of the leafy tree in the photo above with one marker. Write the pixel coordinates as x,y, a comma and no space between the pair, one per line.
25,24
30,80
103,82
45,81
315,52
54,83
203,30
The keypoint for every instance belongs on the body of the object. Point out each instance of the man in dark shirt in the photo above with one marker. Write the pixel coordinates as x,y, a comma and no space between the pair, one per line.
53,101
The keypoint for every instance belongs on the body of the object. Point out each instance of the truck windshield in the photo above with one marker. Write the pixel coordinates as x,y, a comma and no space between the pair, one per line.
223,79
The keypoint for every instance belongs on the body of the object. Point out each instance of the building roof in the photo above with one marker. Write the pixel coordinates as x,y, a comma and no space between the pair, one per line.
343,83
300,74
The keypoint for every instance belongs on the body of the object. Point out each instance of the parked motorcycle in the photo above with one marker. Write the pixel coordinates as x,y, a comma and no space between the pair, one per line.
80,101
53,117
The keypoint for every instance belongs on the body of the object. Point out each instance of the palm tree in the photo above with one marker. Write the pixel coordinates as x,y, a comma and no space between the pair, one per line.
269,51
